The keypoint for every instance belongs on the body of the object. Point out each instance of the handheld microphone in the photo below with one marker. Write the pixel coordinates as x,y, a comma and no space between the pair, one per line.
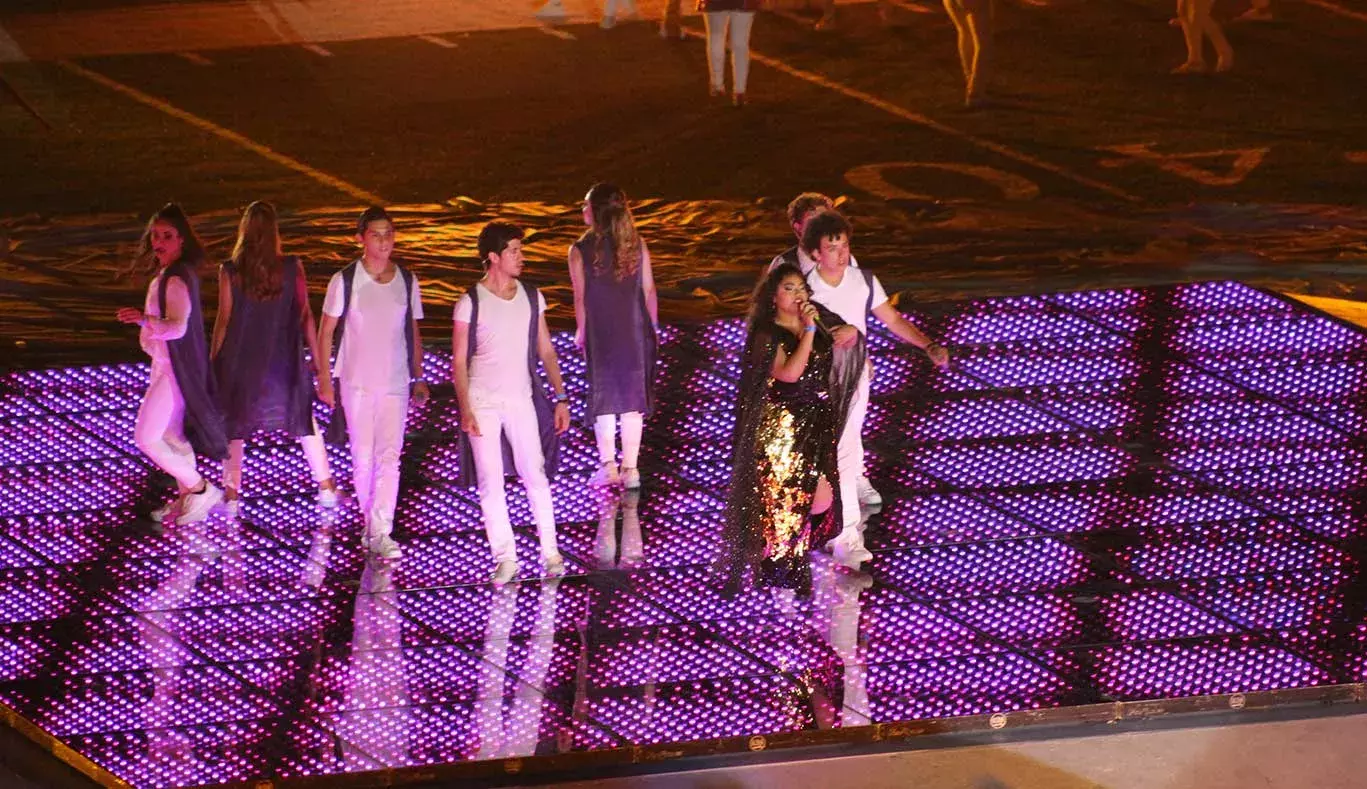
816,318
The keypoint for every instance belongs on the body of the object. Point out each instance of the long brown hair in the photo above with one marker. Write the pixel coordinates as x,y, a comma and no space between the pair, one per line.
257,252
612,222
191,250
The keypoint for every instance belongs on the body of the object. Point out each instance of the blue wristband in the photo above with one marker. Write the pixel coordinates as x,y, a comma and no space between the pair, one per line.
809,328
562,398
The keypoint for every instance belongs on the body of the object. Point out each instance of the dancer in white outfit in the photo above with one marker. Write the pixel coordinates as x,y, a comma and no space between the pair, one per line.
373,306
855,295
179,415
498,335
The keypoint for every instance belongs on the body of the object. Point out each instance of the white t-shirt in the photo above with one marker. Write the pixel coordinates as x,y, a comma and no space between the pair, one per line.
804,261
848,299
498,370
374,352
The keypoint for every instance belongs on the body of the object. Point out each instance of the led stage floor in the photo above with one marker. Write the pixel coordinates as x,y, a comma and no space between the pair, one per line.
1113,496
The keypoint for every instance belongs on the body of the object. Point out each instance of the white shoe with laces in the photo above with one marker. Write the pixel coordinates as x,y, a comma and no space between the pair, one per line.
198,505
868,496
848,550
553,13
504,572
555,566
328,498
166,510
384,547
606,476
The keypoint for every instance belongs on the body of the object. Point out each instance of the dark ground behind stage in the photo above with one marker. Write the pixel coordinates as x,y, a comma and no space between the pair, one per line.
1096,167
1096,170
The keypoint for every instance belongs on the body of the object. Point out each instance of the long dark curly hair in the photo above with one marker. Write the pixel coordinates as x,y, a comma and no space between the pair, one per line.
191,251
257,254
612,222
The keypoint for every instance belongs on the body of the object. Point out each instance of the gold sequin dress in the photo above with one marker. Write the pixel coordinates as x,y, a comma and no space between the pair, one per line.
785,436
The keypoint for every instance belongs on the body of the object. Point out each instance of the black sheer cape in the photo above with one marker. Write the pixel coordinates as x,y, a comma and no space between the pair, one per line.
742,546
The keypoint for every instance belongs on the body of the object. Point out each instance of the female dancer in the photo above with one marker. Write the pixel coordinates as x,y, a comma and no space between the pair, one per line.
616,310
264,321
794,391
178,416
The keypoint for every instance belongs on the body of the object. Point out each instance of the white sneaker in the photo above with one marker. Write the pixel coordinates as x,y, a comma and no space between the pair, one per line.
849,551
605,476
631,478
161,513
328,498
384,547
555,565
198,505
553,12
504,572
868,497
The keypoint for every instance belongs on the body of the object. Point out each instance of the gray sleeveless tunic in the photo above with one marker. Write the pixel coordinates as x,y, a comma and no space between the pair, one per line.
619,338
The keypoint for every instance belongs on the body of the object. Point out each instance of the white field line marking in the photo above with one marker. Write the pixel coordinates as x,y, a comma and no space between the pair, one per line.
10,52
228,134
317,49
196,58
1335,8
557,32
915,8
438,41
930,123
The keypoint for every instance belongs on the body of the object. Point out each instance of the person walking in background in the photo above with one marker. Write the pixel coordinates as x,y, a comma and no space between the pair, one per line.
728,20
973,20
1197,25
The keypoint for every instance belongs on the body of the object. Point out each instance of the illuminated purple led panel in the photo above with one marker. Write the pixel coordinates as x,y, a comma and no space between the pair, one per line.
220,753
930,422
1169,561
1035,462
62,487
1232,664
1019,622
996,322
1326,384
933,519
731,707
1214,564
966,570
464,558
966,685
619,540
523,724
896,633
1311,599
78,389
1236,346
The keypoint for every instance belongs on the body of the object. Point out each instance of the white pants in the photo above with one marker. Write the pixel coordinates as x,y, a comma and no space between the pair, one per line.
605,431
850,454
375,427
314,452
739,22
160,429
518,422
